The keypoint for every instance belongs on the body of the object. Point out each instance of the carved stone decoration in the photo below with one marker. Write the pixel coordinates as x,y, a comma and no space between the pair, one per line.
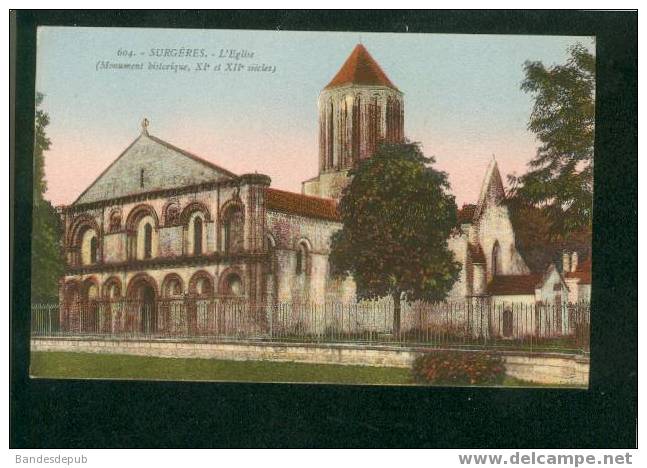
172,212
115,220
173,215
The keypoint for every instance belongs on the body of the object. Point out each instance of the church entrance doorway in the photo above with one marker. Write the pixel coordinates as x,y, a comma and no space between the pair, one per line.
89,306
142,294
148,312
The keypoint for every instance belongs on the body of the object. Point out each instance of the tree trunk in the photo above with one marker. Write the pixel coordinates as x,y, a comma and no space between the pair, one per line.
396,315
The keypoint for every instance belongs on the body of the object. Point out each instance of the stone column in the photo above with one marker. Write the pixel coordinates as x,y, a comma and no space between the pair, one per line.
254,186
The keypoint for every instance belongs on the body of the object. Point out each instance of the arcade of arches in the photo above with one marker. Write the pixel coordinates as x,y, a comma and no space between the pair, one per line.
162,226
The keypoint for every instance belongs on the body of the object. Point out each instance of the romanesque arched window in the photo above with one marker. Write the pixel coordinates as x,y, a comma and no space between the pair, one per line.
271,253
234,285
94,250
113,291
89,317
233,229
115,221
148,241
356,137
112,288
196,219
77,239
197,236
172,286
201,284
89,246
171,213
302,259
203,287
141,228
299,262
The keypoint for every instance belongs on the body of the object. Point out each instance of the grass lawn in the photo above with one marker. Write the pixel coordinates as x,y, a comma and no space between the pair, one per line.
114,366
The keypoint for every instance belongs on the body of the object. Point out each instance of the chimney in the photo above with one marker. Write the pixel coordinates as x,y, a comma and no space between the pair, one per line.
566,262
574,261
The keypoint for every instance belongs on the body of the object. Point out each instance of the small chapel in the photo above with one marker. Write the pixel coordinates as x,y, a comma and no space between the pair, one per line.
162,223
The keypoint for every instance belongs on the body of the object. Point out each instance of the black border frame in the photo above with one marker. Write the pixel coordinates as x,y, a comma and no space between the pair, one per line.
106,414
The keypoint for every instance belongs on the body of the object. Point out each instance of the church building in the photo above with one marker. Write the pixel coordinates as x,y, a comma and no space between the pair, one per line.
161,223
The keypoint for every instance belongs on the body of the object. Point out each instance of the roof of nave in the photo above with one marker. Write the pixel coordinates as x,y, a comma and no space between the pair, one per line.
192,156
151,164
302,205
583,272
514,284
466,213
360,68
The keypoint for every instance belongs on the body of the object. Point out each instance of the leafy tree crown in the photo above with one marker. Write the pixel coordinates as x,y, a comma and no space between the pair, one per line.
559,179
397,215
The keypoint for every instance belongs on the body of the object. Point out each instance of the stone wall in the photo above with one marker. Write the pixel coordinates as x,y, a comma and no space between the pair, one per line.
549,368
314,284
495,226
543,368
457,243
327,184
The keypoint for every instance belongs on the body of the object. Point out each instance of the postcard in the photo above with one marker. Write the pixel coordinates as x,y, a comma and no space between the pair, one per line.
320,207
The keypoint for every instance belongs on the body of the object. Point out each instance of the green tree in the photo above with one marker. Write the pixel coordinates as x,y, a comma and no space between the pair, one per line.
397,216
46,258
533,239
560,177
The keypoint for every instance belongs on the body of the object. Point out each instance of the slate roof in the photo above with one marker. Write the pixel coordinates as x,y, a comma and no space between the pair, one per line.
192,156
513,284
362,69
158,157
302,205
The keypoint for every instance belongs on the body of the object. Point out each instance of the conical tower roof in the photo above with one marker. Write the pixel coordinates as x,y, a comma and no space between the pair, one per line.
360,69
492,189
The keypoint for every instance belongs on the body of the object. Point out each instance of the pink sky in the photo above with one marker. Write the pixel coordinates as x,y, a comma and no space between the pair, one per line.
462,100
287,159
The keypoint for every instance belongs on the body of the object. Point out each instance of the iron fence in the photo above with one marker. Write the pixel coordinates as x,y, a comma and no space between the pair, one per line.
473,323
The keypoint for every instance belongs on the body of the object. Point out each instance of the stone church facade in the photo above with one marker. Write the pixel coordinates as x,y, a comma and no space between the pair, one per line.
163,224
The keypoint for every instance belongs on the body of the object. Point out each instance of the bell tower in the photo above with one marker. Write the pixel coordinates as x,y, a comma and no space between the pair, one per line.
358,109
